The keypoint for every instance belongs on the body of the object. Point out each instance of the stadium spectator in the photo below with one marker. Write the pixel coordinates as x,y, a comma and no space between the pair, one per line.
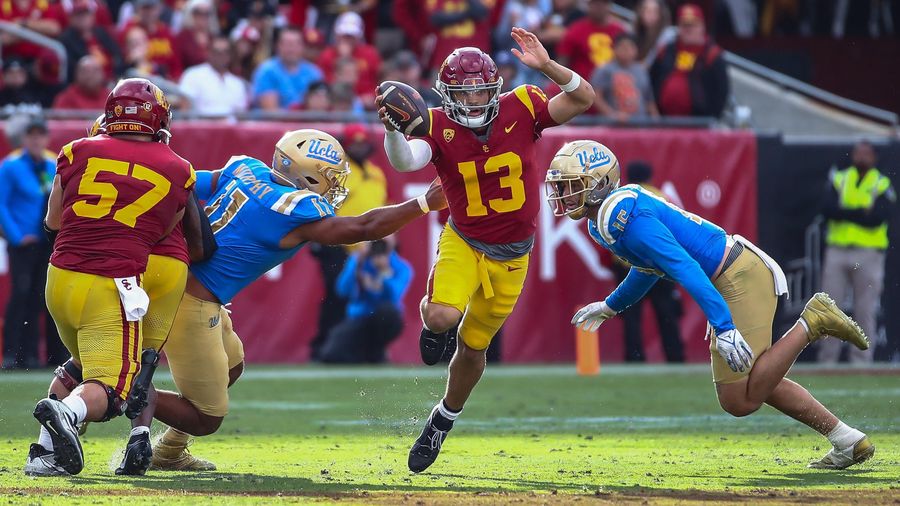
527,14
349,44
405,67
588,42
211,87
564,13
318,98
102,14
328,11
89,91
510,70
374,281
858,206
283,80
689,75
412,19
198,27
84,37
160,44
41,16
457,24
653,28
368,190
622,86
735,18
27,176
313,44
16,90
664,296
345,102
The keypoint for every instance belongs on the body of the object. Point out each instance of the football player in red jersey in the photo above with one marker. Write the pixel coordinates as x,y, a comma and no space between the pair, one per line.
114,197
483,146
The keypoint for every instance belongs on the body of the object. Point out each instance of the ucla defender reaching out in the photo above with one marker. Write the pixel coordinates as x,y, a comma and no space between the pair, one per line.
735,284
483,146
261,216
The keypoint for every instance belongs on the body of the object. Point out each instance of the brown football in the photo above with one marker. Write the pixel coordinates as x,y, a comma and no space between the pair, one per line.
405,108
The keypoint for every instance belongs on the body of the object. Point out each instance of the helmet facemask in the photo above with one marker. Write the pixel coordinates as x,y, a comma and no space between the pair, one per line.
459,112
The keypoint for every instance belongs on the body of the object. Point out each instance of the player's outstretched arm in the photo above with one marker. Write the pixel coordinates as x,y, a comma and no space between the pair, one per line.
578,94
374,224
197,231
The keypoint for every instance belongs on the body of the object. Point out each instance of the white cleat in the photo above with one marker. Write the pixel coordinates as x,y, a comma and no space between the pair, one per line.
42,462
859,452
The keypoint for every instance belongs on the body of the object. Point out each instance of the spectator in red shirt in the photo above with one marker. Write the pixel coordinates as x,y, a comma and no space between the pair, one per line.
588,43
689,75
88,91
349,43
102,15
45,18
565,12
198,27
313,44
458,23
412,18
161,45
83,37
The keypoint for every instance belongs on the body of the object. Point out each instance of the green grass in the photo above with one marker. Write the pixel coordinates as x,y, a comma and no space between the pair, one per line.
530,434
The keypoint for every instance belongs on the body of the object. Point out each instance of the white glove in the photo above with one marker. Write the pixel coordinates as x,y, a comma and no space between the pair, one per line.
735,350
591,316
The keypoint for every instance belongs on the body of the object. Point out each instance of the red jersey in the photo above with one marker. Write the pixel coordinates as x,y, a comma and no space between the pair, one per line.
462,34
119,199
173,245
368,64
36,9
493,186
161,51
588,45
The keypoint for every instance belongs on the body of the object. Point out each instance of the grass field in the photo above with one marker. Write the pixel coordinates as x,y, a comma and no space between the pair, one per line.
530,435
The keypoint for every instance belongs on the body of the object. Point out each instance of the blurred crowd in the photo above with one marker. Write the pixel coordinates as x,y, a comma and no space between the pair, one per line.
222,57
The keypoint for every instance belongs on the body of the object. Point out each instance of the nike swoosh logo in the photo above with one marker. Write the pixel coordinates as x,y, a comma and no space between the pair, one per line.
404,116
510,127
511,269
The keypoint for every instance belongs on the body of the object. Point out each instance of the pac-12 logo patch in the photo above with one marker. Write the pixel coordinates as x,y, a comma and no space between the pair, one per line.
590,160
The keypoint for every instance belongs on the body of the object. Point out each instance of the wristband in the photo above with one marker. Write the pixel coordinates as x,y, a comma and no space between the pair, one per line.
423,204
573,83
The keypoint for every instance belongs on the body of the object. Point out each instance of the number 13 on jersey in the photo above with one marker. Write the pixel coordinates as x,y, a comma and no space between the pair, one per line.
512,180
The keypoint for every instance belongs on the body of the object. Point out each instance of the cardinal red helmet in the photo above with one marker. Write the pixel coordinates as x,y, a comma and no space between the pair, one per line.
466,70
137,106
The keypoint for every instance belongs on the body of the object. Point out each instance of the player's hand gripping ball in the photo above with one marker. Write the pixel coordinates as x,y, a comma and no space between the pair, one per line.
402,108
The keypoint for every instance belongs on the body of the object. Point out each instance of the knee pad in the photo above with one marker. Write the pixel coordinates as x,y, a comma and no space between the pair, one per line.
69,374
115,405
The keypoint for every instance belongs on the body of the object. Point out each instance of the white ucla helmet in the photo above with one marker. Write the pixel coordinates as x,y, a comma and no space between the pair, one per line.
581,175
313,160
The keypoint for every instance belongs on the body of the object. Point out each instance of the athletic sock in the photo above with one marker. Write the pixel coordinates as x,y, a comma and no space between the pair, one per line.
140,429
77,405
174,437
843,436
45,440
443,417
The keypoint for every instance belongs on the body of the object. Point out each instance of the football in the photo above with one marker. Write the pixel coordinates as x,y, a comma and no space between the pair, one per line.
405,108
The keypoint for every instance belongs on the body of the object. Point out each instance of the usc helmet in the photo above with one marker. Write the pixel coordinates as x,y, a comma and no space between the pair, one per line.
313,160
97,126
137,106
469,69
581,175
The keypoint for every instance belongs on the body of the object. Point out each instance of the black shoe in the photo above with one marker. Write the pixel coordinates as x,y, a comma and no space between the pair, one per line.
427,447
138,454
432,346
59,421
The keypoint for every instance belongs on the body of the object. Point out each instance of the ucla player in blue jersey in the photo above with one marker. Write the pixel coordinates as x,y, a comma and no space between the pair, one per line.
735,284
261,216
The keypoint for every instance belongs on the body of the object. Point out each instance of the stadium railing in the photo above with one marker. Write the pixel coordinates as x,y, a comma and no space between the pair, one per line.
35,38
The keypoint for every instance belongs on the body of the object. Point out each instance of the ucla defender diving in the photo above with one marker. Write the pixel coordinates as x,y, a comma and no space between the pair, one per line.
261,215
735,284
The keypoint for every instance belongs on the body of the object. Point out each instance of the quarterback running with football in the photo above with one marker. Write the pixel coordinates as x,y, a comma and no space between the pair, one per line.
482,143
735,284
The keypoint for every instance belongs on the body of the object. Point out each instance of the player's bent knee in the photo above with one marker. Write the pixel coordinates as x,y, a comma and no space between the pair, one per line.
440,318
739,408
208,425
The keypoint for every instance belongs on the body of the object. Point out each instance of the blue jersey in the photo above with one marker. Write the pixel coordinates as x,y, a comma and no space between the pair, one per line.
661,240
250,214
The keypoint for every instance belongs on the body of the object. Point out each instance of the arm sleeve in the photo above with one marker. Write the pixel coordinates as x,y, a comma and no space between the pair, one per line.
346,285
203,186
10,227
651,239
632,289
406,155
397,284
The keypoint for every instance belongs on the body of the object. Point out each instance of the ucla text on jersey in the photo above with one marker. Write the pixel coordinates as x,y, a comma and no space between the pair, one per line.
250,214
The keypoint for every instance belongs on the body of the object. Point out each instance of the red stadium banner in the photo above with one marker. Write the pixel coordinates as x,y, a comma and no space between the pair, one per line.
711,173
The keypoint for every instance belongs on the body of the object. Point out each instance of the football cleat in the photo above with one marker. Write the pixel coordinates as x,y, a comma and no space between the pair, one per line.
427,447
177,458
824,318
82,428
138,453
432,345
42,462
59,421
859,452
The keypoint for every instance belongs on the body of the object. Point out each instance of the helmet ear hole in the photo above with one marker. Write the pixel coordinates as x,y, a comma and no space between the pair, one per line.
311,181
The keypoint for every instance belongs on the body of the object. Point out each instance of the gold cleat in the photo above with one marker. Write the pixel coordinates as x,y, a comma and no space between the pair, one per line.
824,318
842,459
177,458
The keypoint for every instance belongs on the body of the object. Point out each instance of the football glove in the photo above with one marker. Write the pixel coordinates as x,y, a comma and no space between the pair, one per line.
734,349
590,317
